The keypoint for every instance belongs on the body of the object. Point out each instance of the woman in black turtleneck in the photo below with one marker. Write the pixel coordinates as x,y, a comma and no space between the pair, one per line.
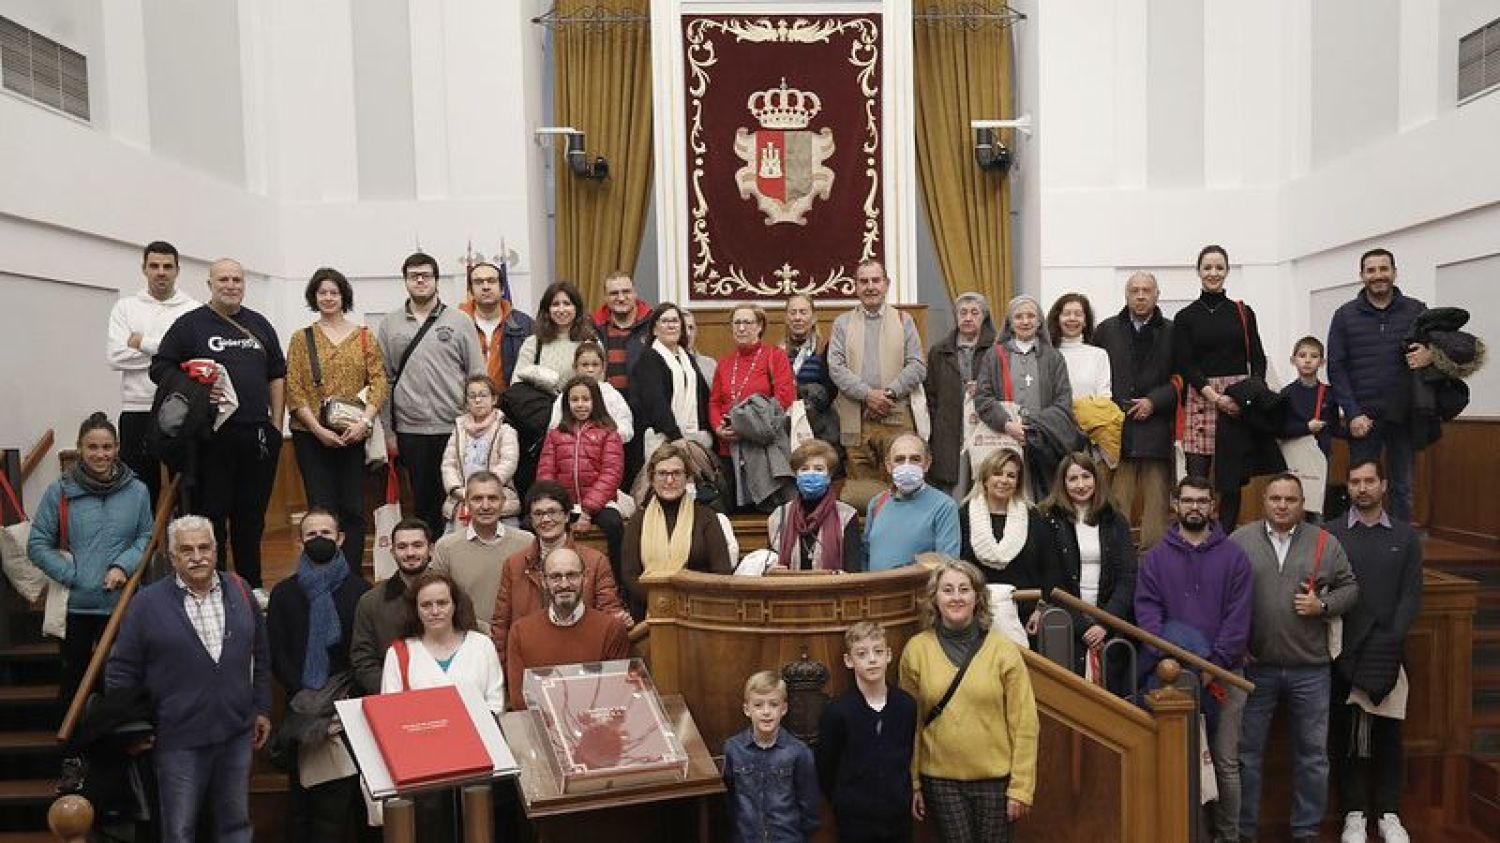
1216,343
672,531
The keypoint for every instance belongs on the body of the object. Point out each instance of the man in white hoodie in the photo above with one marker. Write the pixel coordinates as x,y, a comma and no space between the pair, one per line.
136,326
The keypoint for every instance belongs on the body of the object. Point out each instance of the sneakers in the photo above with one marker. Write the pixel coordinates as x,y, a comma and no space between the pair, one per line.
261,597
1354,828
1391,830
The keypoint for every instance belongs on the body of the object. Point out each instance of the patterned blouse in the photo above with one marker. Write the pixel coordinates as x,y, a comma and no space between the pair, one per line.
347,368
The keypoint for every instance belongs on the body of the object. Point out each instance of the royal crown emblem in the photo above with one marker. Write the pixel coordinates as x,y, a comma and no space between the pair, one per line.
783,159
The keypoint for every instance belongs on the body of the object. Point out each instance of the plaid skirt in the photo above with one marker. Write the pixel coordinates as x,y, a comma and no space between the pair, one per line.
1201,419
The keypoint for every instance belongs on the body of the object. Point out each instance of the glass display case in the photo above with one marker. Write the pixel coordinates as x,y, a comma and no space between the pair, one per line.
604,724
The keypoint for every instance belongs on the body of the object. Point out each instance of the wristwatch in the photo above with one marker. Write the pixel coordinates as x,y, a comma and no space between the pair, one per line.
1324,604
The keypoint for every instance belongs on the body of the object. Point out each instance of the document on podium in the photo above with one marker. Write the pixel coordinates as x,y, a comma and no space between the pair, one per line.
377,775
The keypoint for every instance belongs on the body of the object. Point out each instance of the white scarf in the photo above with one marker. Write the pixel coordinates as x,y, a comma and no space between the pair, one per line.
684,387
992,553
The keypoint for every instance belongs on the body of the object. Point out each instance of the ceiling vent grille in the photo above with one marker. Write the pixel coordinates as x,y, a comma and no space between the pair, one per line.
40,69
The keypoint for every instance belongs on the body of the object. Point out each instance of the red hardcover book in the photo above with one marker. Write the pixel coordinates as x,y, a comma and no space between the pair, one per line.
426,736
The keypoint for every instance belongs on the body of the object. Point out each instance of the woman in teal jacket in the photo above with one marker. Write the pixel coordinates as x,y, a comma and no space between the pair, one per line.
99,545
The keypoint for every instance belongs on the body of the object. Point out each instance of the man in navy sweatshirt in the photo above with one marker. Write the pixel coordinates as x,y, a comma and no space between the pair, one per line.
197,642
1196,577
1369,367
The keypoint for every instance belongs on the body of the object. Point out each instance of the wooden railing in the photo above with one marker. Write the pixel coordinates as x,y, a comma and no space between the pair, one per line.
91,677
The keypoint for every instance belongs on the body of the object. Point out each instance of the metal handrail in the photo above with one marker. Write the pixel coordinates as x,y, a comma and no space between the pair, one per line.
1130,630
91,677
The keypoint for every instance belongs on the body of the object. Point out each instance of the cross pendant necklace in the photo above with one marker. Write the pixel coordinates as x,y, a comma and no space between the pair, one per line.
1028,380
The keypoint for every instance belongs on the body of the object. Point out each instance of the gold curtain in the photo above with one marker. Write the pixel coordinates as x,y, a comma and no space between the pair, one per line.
964,75
602,87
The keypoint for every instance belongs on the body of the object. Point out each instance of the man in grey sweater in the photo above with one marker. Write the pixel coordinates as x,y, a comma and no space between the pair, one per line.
426,370
1302,579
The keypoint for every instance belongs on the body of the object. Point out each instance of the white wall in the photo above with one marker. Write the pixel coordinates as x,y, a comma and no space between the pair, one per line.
285,134
1297,135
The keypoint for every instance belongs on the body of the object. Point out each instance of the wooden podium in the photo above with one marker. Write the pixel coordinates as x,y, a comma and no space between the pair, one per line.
709,632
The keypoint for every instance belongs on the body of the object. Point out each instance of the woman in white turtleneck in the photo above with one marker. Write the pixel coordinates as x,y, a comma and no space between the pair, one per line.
1071,322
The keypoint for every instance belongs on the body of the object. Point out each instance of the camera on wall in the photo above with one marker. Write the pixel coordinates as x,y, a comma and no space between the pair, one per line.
989,153
578,159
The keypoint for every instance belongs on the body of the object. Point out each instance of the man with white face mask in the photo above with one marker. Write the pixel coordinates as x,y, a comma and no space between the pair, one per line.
911,517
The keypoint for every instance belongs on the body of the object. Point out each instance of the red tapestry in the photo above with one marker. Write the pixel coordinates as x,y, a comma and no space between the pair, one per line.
784,154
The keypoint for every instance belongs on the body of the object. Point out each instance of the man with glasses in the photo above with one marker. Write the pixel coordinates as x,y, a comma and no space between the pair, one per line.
500,326
475,555
429,349
522,592
1194,589
568,632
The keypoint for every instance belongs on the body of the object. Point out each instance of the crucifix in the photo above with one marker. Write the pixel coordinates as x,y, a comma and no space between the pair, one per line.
1028,380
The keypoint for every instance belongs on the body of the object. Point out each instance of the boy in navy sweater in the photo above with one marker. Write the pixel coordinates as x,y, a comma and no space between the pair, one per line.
865,740
1306,402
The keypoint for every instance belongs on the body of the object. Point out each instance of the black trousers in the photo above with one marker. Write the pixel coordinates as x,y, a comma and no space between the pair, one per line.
613,527
327,811
1371,785
1229,499
334,479
236,469
84,632
422,455
133,426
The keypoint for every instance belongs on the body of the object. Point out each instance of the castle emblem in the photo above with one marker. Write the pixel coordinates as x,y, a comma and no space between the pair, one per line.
784,159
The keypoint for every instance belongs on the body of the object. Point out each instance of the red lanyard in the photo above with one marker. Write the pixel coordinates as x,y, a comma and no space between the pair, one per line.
1007,390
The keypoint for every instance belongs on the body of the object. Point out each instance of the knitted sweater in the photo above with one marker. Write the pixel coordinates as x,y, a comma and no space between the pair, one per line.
475,565
430,392
535,641
549,371
1387,563
1279,636
864,761
989,727
898,528
1088,367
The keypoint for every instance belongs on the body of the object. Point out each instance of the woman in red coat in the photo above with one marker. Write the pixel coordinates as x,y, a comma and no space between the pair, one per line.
585,454
753,368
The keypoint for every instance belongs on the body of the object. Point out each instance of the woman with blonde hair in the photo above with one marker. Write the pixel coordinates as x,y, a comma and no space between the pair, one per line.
672,531
974,765
1004,535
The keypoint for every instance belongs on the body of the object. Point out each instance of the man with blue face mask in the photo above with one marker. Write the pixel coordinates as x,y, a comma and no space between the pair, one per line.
911,517
815,531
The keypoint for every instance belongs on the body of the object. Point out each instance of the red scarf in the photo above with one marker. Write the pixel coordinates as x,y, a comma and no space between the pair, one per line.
800,522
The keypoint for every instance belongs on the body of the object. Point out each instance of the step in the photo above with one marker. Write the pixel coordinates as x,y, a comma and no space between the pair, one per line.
1484,776
1484,816
27,791
28,694
29,742
34,651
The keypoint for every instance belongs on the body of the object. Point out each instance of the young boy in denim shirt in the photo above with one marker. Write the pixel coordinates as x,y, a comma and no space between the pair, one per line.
773,784
865,741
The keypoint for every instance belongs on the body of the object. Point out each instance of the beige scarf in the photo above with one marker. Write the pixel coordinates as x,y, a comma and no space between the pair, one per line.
663,553
892,359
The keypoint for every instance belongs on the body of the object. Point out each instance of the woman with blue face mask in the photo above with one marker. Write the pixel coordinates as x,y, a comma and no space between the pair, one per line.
815,530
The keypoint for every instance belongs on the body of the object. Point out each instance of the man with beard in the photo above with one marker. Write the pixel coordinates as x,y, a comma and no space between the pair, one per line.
1195,583
568,632
1369,685
501,326
521,590
382,610
428,348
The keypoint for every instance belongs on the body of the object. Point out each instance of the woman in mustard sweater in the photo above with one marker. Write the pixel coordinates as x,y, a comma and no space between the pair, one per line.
975,759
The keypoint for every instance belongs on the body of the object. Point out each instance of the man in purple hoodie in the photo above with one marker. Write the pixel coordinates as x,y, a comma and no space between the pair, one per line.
1198,578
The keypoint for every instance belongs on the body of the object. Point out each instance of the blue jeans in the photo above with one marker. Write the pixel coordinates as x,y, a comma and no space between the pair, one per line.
1395,440
217,775
1305,688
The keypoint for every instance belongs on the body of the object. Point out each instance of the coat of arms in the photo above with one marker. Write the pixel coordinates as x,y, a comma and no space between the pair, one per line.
783,158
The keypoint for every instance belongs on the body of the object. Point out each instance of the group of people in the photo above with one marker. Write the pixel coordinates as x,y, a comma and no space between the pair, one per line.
566,422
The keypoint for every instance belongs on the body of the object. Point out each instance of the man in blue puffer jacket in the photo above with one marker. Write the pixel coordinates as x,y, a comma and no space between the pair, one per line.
1368,368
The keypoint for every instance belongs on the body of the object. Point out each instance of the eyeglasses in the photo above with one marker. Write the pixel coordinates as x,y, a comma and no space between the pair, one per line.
744,323
677,474
551,514
1201,503
565,576
420,275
